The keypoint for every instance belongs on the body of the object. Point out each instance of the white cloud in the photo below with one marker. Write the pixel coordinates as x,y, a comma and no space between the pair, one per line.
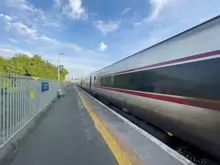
48,39
75,10
9,51
24,30
20,4
19,27
158,6
106,27
73,47
56,45
125,10
5,50
60,45
8,18
177,11
102,46
33,16
164,9
38,17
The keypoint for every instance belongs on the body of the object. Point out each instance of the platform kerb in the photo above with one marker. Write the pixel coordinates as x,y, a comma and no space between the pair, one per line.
147,148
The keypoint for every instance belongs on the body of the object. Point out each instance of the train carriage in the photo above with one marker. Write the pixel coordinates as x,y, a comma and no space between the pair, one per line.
174,85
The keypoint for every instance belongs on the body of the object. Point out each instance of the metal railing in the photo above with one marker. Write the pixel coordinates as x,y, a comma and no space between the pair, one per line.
22,99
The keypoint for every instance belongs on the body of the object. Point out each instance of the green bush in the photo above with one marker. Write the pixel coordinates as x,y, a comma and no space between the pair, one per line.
35,66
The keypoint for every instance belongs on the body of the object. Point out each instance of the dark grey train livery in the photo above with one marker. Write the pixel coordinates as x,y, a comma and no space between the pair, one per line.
174,84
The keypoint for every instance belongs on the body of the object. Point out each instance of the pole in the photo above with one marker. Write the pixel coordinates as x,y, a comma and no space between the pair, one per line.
58,72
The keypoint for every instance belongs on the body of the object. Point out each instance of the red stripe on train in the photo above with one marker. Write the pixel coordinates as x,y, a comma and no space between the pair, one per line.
194,57
215,105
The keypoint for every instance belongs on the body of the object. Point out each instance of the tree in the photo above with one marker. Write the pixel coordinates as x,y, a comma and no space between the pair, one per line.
35,66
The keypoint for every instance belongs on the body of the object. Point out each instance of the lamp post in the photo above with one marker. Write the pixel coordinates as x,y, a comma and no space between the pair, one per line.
58,71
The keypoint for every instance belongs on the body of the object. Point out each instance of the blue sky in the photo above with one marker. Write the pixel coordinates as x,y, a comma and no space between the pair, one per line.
94,33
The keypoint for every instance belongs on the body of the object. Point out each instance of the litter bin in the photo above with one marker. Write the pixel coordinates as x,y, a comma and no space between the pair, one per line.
60,93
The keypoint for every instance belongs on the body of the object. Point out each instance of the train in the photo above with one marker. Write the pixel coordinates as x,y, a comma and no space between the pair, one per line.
174,85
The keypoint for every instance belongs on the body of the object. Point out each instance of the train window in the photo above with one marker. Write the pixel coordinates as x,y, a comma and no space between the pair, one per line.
190,79
106,81
112,81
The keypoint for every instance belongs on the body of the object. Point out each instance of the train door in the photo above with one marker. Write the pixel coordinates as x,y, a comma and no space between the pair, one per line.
112,81
90,83
95,82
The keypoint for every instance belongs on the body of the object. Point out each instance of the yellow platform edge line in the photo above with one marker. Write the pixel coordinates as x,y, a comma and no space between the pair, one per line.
120,156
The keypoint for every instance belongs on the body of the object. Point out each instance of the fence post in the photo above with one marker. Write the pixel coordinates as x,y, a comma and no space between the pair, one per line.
1,109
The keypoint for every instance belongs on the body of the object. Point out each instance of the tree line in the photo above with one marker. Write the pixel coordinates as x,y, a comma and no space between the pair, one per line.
35,66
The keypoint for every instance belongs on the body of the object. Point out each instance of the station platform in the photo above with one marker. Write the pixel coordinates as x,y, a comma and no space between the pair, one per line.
79,130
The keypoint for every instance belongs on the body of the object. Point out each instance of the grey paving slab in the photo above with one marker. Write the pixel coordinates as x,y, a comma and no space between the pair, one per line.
148,149
66,135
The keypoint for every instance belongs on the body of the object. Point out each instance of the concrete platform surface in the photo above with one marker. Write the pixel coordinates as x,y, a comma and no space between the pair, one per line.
66,135
142,145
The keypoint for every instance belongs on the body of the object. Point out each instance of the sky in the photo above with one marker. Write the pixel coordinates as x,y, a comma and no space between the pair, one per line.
92,34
